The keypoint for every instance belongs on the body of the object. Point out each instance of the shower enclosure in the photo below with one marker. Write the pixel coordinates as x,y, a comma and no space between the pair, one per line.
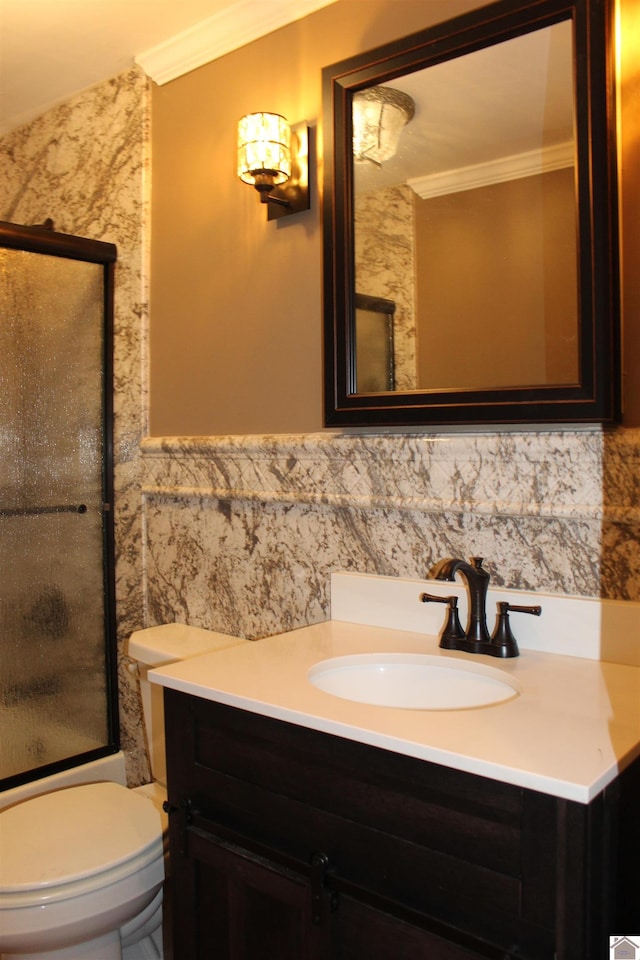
58,690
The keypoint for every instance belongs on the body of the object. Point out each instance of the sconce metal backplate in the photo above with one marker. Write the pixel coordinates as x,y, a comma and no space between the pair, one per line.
295,192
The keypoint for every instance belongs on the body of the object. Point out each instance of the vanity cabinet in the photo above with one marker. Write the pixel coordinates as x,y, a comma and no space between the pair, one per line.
290,844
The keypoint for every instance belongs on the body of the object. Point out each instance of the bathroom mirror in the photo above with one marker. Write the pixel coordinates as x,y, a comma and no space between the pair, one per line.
470,181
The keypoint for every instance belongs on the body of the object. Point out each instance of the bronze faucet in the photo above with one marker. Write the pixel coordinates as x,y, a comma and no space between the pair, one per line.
476,638
477,580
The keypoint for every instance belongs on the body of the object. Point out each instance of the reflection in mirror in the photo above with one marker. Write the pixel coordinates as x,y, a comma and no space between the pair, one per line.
470,178
470,225
375,349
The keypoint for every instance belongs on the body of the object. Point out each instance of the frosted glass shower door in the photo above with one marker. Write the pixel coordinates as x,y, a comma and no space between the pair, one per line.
56,643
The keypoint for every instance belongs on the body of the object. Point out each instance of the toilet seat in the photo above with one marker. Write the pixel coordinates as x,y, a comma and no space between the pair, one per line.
75,840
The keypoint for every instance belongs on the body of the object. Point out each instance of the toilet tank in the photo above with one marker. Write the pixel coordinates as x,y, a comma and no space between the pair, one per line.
155,647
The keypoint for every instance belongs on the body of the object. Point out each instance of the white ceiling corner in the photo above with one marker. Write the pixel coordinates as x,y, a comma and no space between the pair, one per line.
52,50
529,164
230,28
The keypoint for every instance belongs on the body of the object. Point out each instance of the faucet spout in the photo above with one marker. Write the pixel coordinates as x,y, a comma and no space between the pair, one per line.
477,581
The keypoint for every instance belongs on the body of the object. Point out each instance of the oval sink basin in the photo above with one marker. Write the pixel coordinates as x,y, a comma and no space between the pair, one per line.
413,681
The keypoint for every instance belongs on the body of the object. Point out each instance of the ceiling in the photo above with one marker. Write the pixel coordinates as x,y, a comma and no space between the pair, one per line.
53,49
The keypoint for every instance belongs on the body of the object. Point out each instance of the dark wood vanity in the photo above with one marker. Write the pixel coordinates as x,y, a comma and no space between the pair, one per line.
290,844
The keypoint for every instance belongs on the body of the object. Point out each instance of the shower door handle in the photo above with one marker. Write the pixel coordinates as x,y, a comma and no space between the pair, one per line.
37,511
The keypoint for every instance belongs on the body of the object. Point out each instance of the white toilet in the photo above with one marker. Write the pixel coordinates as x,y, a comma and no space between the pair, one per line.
82,868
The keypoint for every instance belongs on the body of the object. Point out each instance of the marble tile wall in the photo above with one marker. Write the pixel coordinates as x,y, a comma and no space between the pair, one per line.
242,533
85,164
385,267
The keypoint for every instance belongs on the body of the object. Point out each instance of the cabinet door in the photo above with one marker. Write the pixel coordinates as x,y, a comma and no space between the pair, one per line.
232,903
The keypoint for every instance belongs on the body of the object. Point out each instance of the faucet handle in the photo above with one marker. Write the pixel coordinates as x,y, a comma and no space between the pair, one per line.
503,641
452,630
511,607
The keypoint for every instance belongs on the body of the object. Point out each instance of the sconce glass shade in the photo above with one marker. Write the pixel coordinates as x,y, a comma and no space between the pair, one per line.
379,114
264,150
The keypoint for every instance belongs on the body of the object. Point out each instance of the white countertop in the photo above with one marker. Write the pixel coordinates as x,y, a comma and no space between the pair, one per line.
572,728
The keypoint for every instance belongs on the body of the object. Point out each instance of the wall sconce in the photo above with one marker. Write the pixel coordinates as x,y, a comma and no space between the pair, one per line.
274,158
379,114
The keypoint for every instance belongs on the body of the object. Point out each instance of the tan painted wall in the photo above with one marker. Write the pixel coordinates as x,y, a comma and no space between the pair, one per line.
236,302
496,289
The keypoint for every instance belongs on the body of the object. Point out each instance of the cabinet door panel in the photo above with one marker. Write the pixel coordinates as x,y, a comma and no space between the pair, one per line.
251,908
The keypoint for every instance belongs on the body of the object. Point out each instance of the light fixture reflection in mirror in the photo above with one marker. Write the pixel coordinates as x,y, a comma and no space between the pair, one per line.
379,114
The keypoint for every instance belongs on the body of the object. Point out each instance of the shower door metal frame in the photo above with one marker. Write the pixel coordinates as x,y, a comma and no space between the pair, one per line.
44,240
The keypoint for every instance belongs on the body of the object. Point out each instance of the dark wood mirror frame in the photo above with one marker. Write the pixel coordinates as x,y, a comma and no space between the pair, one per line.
595,398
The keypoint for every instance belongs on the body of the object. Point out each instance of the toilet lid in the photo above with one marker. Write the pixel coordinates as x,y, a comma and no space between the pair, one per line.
74,833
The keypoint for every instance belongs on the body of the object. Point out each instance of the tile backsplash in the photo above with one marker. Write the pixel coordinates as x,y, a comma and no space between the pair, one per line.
243,533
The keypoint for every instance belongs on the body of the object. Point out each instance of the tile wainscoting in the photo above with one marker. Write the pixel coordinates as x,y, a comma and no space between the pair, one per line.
242,533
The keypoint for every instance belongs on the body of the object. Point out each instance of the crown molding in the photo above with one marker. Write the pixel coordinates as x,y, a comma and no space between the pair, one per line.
231,28
528,164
